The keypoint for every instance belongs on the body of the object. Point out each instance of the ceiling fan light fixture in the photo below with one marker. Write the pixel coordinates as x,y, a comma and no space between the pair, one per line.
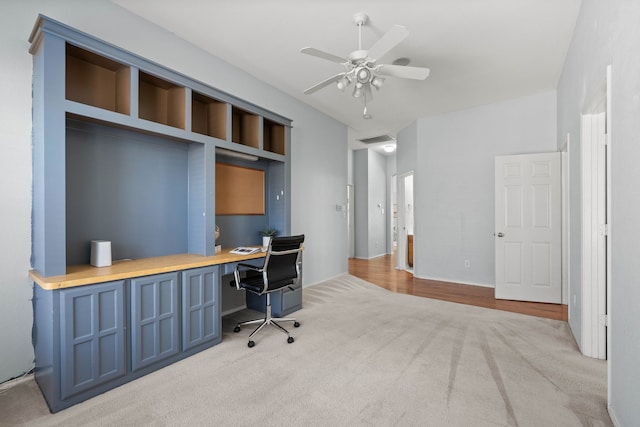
363,75
357,90
377,82
343,83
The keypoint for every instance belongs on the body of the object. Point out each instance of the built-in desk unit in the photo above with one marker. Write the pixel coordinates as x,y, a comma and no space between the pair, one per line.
125,150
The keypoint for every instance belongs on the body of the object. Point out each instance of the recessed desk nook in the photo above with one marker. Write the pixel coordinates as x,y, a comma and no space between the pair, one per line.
129,151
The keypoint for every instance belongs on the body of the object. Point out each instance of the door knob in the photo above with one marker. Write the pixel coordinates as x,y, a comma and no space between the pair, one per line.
500,235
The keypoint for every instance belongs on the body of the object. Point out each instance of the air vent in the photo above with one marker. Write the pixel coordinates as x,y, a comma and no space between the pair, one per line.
376,139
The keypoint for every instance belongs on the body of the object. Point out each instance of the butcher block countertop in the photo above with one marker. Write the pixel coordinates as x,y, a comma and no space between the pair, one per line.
80,275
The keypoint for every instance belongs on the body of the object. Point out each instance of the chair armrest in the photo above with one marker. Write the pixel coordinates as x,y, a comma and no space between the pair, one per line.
245,267
249,266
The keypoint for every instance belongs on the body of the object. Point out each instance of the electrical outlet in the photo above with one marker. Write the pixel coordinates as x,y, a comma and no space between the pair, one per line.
467,263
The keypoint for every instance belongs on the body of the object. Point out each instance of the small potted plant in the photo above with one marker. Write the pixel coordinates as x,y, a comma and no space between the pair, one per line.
267,233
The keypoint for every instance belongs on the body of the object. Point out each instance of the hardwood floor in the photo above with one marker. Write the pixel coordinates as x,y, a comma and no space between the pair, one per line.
382,272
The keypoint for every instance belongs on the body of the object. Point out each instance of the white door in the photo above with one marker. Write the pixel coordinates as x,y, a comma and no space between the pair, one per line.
528,227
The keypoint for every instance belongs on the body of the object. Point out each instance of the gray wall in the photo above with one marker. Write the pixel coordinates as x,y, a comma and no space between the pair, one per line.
318,180
371,212
454,181
361,200
377,204
406,149
391,171
608,33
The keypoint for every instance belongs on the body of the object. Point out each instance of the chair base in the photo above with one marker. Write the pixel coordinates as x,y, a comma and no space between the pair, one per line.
268,320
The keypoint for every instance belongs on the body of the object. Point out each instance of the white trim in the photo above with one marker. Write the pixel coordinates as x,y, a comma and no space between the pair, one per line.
456,282
566,220
608,213
594,211
612,414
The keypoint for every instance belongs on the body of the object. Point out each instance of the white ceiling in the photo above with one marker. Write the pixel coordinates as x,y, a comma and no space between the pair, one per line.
479,51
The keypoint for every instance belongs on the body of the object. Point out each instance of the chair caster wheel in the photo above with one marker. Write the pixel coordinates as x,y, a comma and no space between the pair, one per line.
251,344
290,340
296,324
236,329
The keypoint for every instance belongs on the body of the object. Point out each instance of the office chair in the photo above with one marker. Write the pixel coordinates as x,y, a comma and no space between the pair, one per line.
281,268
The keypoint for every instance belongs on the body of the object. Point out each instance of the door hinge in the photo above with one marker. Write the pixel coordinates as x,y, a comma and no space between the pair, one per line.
604,230
604,321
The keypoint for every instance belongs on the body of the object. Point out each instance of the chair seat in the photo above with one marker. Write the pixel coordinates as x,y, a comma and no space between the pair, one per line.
256,284
253,283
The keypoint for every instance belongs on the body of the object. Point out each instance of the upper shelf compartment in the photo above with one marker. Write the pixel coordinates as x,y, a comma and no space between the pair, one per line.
245,127
97,81
208,116
273,137
161,101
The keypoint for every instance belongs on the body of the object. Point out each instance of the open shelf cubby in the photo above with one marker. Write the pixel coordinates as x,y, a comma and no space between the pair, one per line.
97,81
208,116
245,128
273,137
161,101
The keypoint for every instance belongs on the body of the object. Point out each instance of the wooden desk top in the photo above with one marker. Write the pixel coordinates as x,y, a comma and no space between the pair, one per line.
79,275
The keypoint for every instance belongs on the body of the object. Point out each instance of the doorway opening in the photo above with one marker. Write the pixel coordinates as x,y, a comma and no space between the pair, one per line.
405,253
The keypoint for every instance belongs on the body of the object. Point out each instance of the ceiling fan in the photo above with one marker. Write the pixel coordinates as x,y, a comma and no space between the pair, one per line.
361,64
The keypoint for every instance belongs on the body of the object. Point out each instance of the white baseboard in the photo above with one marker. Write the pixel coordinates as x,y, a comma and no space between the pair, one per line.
612,415
14,382
306,285
484,285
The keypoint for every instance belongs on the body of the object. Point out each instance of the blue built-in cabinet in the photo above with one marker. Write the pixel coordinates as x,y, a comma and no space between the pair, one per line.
90,339
124,150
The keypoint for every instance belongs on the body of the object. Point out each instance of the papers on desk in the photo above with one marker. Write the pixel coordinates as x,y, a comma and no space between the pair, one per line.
243,250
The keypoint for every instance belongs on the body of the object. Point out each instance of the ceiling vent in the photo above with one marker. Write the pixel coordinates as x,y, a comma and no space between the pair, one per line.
376,139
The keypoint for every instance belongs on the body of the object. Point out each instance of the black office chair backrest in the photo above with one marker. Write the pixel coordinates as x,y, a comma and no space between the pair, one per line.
281,262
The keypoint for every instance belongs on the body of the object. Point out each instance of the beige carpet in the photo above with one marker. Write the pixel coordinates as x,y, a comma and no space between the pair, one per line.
363,356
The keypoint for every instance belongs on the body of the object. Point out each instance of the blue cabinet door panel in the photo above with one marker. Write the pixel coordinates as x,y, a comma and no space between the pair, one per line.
200,306
154,319
92,336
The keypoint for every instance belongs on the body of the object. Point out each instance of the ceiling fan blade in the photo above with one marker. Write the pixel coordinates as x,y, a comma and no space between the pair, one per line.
323,55
324,83
388,41
403,71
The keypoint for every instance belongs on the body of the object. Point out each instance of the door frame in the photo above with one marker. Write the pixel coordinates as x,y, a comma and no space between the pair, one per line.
596,234
565,151
392,209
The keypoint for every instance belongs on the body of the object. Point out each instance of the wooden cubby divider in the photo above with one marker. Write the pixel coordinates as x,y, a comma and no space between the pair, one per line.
273,137
208,116
97,81
161,101
245,128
